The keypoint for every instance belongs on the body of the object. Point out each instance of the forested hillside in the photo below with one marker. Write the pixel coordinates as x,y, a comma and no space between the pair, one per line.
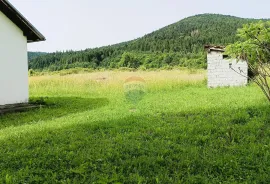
179,44
32,55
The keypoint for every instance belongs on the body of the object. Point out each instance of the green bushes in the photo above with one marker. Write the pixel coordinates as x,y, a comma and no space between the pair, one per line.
134,60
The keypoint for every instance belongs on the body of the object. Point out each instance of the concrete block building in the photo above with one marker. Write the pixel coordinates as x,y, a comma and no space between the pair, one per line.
223,71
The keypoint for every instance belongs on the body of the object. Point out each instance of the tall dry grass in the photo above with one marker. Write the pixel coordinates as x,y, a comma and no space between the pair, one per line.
109,81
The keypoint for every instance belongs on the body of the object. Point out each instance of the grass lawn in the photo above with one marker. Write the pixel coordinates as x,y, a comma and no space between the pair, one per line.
180,132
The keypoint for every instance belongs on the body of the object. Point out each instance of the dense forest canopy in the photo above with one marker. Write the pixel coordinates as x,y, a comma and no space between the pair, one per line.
179,44
32,55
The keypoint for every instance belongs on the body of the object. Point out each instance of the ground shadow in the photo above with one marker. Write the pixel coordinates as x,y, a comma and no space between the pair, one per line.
53,107
202,145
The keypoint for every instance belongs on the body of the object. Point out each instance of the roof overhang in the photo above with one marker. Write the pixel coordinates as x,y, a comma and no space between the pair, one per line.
214,48
31,33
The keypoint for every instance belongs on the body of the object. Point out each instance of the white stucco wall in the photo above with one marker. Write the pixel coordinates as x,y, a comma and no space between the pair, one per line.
13,63
220,74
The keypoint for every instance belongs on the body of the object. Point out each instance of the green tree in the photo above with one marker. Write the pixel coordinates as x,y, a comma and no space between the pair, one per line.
129,60
254,47
179,44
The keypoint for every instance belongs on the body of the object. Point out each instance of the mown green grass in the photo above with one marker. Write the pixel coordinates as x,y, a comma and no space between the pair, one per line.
181,132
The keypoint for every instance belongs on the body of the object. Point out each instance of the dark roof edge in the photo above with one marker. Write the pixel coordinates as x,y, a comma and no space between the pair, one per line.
25,21
214,48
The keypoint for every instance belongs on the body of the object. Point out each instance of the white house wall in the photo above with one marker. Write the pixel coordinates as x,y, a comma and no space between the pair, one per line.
13,63
220,73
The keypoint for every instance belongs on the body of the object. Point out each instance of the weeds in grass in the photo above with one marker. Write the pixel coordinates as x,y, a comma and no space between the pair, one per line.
181,133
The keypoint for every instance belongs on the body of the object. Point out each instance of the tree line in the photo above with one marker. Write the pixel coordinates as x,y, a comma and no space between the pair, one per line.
180,44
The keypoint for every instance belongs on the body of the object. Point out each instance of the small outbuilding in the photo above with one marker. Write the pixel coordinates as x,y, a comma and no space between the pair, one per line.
223,71
15,32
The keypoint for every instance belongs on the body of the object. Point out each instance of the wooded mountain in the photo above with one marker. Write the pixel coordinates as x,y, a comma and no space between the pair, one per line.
179,44
32,55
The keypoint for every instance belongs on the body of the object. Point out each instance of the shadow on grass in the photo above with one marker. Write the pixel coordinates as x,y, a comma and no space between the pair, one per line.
193,147
55,107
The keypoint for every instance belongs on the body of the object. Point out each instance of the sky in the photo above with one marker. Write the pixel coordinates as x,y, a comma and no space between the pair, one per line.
81,24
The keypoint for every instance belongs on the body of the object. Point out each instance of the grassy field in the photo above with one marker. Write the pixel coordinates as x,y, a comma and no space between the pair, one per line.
180,132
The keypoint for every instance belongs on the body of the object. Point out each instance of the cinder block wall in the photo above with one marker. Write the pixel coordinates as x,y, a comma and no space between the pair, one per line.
220,73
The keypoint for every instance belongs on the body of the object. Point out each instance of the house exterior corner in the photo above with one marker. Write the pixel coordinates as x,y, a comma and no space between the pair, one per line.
13,63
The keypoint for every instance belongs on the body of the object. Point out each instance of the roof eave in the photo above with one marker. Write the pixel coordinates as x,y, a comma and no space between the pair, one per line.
218,50
38,40
38,35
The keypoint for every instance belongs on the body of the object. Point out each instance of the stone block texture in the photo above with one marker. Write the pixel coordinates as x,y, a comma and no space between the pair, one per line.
225,72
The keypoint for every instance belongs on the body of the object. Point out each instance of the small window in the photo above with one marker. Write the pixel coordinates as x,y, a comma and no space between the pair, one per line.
225,56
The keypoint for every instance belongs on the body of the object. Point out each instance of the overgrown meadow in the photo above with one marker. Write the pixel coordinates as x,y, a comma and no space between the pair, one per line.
179,132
